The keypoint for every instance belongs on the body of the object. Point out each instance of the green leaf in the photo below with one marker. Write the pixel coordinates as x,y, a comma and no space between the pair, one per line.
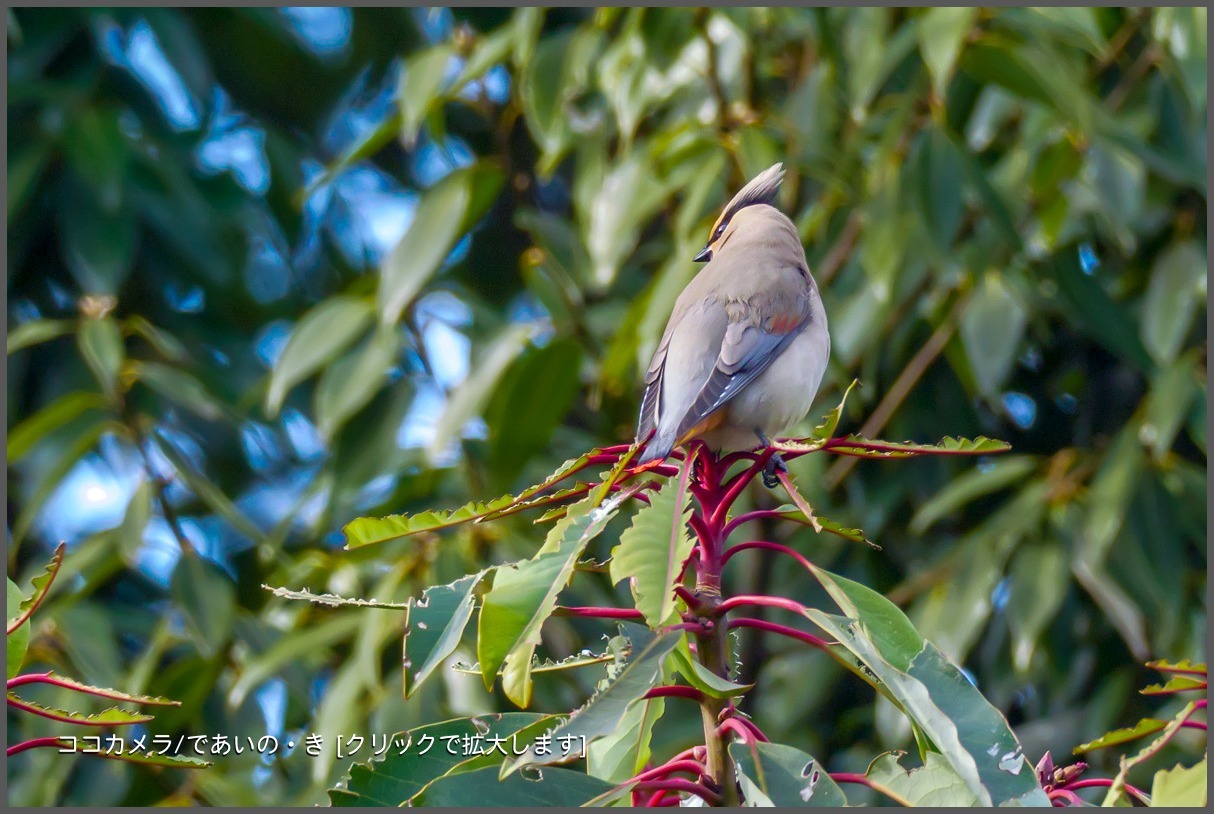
37,331
207,600
1096,311
601,714
524,595
552,787
41,584
470,398
322,333
1040,576
1175,684
433,627
970,486
795,515
98,242
626,751
1182,666
883,622
535,393
939,186
702,678
942,32
772,774
541,91
207,492
351,382
114,716
932,784
422,80
1176,287
858,446
18,638
58,413
1145,727
421,755
333,600
180,387
992,326
971,734
1180,786
653,550
443,214
100,344
165,343
144,757
584,659
1172,393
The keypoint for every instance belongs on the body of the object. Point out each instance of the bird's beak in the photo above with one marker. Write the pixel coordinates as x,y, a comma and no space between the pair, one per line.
704,256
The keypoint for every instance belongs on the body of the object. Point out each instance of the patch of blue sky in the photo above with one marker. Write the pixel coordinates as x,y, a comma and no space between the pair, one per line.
323,30
139,51
267,273
1022,409
435,160
269,503
368,215
421,422
270,341
361,109
435,22
93,496
237,148
184,298
157,556
261,448
302,434
439,315
494,85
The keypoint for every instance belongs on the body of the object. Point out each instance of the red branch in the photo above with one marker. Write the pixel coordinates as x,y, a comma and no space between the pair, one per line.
599,613
783,630
745,600
705,794
740,729
35,743
675,691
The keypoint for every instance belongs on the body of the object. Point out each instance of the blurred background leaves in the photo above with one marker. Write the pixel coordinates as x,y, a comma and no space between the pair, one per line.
273,269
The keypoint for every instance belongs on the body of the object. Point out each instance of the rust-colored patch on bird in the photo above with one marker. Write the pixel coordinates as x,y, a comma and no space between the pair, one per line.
709,424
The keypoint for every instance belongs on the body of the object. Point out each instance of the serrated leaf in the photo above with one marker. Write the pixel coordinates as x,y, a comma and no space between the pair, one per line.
1180,786
103,692
421,755
583,659
41,584
653,550
864,448
434,626
114,716
145,758
18,638
1145,727
333,599
1182,666
600,715
932,784
524,595
703,679
772,774
795,515
320,335
1174,684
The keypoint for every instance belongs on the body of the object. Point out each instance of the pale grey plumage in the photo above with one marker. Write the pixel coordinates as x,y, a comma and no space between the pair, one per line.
746,346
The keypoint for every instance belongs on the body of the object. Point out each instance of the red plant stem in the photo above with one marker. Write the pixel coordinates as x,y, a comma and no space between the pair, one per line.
735,486
849,777
599,613
705,794
693,767
738,728
658,799
1101,782
51,678
783,630
783,549
699,628
33,743
675,691
1193,725
687,596
748,517
753,727
745,600
1071,798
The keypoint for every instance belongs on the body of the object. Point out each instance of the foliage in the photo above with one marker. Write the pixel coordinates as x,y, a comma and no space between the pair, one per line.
1005,210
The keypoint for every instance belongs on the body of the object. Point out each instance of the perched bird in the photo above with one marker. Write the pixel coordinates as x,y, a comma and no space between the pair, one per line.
746,346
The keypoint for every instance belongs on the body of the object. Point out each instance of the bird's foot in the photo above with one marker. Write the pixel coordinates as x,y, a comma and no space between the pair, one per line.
774,464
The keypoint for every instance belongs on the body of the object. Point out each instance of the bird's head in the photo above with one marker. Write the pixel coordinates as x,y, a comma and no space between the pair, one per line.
761,190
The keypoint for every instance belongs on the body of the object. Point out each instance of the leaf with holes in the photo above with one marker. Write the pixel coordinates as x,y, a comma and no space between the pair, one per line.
434,626
772,774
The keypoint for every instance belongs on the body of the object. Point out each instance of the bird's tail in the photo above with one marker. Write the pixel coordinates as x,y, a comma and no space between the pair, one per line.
658,447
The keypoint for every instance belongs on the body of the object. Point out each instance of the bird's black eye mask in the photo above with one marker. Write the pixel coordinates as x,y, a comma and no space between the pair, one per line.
762,189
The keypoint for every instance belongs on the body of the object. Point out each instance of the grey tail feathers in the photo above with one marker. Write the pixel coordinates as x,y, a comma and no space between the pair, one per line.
659,446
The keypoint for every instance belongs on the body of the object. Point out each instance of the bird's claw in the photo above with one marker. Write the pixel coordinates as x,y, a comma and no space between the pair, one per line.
774,464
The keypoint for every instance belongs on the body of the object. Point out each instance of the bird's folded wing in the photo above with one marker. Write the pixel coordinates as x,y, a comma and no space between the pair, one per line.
650,406
746,351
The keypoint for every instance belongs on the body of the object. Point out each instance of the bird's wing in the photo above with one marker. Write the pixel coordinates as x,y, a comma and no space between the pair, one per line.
650,402
751,343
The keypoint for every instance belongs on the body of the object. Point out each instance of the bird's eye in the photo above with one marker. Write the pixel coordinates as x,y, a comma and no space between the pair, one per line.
720,231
